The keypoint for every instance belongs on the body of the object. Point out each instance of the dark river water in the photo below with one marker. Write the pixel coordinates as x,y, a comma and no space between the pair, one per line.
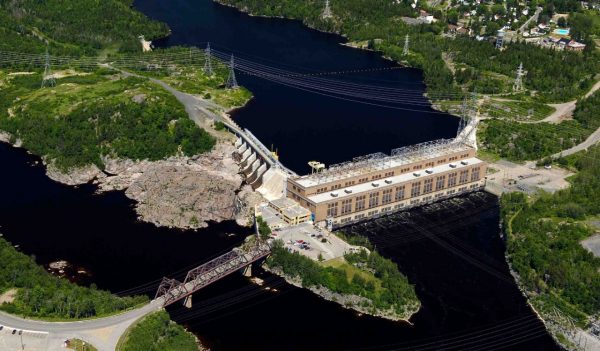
451,252
305,126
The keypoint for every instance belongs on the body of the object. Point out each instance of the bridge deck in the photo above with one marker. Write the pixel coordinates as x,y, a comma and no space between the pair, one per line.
172,290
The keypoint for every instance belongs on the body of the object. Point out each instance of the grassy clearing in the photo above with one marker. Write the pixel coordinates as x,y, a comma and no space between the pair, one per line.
184,72
516,110
352,271
80,345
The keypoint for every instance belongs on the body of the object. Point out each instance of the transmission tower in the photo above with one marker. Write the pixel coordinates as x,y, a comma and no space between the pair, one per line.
231,80
464,111
48,79
406,42
518,85
207,60
327,11
474,98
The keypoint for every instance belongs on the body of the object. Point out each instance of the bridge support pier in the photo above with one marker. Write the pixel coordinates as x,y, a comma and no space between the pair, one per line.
247,271
187,302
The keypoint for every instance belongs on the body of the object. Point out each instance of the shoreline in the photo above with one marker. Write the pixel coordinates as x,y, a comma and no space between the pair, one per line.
525,293
344,301
161,189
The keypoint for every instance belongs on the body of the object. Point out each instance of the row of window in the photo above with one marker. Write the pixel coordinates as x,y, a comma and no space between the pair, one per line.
386,175
416,189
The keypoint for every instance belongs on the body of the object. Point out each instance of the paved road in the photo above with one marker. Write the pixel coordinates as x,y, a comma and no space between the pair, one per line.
593,139
103,333
532,18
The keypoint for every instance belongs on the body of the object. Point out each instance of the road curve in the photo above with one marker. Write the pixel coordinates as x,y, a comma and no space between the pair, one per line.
103,333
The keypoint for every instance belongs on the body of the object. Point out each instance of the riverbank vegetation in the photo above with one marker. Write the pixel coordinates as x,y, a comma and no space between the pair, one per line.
156,332
41,295
368,275
544,244
90,115
551,75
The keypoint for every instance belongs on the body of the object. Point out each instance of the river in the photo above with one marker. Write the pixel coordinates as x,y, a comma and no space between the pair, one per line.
466,304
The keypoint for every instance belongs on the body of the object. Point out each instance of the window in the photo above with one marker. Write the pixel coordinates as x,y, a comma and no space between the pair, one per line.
332,209
400,193
440,182
452,180
387,196
360,203
346,206
415,189
475,174
373,200
428,185
464,176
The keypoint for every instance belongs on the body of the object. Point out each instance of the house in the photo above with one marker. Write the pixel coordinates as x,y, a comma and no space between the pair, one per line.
575,46
563,42
463,31
452,28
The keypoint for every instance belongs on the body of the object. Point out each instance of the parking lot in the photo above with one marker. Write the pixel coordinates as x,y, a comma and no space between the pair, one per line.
14,339
312,242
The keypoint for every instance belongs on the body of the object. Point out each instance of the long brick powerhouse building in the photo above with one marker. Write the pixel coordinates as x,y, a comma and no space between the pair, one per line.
376,184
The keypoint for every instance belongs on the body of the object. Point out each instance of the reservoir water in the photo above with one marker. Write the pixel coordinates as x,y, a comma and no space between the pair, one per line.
453,254
301,125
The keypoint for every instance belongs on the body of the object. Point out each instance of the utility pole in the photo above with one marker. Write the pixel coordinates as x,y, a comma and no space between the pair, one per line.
518,85
406,42
48,79
231,80
208,70
327,11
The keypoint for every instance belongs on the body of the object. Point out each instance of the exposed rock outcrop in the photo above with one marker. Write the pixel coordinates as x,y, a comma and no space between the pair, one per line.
181,192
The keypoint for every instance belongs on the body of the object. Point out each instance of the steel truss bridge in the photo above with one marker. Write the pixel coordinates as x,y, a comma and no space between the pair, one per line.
172,290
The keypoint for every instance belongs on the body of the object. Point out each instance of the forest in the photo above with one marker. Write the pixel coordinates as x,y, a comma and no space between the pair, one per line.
389,289
93,115
156,332
42,295
544,242
74,27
